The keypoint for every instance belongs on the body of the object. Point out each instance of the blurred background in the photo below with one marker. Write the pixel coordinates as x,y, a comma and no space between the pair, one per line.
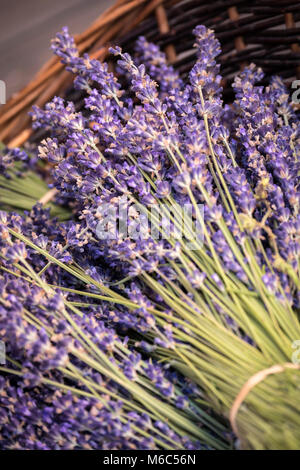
26,28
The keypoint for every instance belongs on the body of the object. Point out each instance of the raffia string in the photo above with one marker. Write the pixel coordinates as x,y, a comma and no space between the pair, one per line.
251,383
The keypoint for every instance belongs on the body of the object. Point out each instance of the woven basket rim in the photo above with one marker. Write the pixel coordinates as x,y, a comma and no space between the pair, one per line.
168,22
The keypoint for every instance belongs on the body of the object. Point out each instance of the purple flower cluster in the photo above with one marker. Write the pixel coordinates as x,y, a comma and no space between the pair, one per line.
51,395
156,142
159,150
8,158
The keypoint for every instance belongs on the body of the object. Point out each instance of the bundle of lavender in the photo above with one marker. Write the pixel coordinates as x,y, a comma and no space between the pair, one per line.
21,185
71,379
173,293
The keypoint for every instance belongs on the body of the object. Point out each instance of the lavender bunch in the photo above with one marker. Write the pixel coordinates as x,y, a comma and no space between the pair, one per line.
21,184
72,381
218,304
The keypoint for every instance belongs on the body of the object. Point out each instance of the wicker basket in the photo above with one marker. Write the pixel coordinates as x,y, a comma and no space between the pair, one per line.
265,32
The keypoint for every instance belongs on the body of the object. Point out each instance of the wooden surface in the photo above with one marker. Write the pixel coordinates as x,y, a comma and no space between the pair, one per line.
26,28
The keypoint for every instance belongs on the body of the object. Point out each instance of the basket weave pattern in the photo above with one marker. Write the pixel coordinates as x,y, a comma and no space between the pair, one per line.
265,32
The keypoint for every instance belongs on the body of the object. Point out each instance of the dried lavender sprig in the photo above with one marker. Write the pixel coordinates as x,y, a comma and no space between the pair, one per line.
221,305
